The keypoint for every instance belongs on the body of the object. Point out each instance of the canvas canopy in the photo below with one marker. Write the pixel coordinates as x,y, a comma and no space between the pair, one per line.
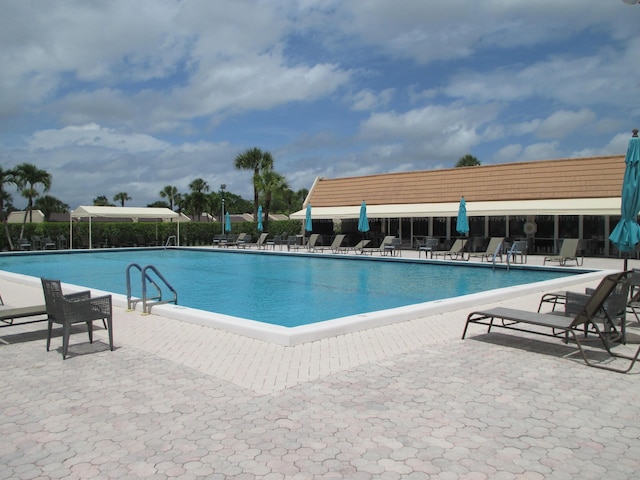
123,212
135,213
573,206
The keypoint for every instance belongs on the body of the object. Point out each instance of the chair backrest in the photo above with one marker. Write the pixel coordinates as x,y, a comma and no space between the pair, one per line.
598,298
53,298
458,245
313,239
569,247
387,240
261,239
494,244
337,241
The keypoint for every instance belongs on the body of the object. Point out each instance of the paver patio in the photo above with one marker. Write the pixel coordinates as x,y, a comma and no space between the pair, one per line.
405,401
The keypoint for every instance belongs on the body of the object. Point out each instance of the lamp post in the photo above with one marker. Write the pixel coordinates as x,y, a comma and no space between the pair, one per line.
222,189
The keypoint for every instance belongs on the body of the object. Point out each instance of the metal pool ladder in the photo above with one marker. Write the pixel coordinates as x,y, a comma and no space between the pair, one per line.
149,301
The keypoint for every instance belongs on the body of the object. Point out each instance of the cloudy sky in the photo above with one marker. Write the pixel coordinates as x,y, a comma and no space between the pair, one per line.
130,96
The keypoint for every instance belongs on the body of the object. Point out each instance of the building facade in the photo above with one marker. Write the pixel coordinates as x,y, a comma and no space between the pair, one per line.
541,201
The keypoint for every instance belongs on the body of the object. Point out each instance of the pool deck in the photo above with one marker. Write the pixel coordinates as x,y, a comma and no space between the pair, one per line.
404,401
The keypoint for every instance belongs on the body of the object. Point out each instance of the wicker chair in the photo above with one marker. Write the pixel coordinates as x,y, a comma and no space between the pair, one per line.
75,308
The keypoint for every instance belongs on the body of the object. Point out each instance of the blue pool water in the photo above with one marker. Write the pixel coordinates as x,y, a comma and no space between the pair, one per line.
285,290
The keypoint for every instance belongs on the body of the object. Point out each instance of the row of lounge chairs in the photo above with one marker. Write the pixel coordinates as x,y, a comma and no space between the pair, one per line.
516,253
41,243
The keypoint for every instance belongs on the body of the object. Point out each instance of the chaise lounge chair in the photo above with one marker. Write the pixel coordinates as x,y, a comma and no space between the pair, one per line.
261,241
456,250
336,245
568,252
243,240
386,241
360,249
589,314
494,249
8,315
312,244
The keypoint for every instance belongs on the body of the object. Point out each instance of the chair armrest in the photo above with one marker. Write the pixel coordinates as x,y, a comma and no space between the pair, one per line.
74,297
575,302
85,307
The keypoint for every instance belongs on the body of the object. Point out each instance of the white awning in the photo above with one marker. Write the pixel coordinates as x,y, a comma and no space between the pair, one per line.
573,206
135,213
123,212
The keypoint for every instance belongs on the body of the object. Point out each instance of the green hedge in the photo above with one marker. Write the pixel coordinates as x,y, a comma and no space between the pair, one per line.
106,233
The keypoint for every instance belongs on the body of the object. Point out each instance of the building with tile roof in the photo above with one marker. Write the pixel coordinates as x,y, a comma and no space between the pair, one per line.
577,197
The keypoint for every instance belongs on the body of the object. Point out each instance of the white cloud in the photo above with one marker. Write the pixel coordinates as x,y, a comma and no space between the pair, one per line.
508,153
563,122
92,135
366,100
540,151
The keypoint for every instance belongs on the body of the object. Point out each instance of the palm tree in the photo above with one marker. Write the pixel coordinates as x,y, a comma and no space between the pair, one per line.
121,197
170,193
198,199
468,161
48,205
102,201
256,160
27,177
268,182
7,177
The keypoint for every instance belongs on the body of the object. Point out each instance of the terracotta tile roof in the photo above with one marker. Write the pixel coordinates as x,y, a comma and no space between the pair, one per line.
595,177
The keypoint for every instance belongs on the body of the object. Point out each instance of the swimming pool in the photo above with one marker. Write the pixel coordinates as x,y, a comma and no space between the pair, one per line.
284,290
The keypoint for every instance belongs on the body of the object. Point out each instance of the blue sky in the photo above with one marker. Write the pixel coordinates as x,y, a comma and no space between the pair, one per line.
123,96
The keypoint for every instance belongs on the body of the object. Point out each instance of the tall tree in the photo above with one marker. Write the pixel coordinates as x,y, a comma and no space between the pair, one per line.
28,176
170,193
48,205
198,197
102,201
467,161
270,181
121,197
256,160
7,177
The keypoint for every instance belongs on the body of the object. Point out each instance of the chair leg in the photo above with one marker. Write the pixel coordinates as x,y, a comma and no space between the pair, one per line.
110,329
90,331
49,330
66,332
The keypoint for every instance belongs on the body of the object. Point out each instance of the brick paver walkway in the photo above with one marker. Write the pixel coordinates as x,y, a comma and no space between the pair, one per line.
405,401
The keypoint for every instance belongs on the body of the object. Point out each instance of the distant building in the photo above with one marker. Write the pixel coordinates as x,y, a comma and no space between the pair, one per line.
543,201
35,216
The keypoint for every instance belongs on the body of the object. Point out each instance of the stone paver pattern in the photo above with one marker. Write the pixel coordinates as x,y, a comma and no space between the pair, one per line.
405,401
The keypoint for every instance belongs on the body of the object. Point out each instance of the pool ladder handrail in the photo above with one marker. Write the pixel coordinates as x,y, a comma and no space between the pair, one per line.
148,301
175,241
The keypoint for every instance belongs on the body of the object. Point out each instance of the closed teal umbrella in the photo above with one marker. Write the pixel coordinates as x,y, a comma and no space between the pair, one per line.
227,222
363,222
462,223
308,224
260,227
626,234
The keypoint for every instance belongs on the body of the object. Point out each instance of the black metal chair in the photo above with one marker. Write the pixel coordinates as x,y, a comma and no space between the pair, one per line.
80,307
